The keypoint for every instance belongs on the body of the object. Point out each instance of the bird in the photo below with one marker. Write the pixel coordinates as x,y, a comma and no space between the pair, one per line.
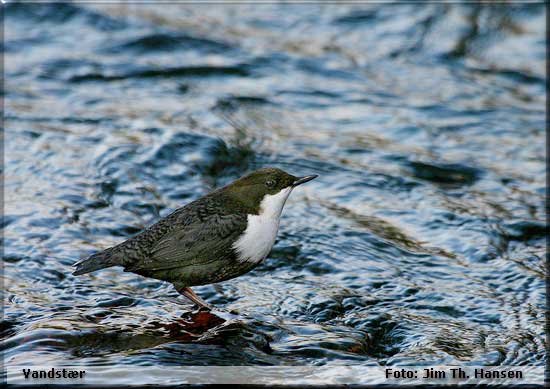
217,237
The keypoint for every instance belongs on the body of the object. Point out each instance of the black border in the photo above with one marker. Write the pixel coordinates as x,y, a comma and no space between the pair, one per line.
3,382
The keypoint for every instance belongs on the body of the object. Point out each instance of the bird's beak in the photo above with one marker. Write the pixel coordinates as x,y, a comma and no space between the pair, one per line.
302,180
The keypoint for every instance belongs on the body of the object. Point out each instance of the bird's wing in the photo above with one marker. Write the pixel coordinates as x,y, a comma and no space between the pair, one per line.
199,242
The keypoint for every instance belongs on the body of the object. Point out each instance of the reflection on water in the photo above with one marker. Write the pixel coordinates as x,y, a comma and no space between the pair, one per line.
422,240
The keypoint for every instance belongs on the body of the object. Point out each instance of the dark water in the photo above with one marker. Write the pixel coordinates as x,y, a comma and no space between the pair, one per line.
421,242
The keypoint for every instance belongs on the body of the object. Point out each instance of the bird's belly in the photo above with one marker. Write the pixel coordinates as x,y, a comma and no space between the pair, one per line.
257,240
219,270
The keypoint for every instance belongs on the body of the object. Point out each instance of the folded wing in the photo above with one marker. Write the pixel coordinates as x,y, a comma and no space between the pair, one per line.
197,243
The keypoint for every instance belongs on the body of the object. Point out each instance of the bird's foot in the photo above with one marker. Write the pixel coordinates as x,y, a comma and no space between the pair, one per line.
188,292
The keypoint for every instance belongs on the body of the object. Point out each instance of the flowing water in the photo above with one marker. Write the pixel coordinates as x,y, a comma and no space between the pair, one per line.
421,242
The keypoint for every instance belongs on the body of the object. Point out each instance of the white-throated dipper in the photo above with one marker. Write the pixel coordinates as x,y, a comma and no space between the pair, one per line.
215,238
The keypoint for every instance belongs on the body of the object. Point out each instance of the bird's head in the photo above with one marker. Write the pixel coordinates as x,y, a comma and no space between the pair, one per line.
265,191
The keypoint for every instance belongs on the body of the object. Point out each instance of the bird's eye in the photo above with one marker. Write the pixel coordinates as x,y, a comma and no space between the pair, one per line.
270,183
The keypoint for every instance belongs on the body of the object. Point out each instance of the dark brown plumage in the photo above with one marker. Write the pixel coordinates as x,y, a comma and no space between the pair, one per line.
194,244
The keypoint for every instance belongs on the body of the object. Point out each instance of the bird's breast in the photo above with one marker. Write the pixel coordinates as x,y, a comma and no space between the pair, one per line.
258,238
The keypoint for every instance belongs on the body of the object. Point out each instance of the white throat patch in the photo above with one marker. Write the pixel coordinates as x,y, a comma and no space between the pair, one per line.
260,234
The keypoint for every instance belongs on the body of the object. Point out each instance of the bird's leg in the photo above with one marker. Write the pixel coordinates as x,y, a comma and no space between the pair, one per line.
188,292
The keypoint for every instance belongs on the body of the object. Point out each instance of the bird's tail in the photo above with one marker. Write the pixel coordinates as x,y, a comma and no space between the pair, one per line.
95,262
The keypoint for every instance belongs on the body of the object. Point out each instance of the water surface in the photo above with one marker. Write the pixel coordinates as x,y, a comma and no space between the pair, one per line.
421,242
